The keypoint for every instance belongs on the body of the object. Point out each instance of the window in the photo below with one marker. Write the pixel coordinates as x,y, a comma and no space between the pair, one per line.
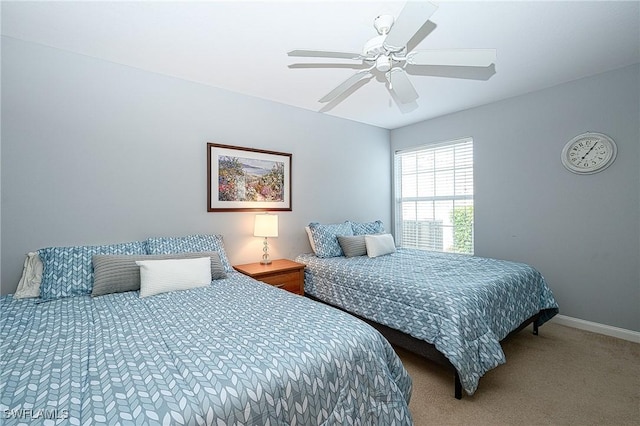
434,197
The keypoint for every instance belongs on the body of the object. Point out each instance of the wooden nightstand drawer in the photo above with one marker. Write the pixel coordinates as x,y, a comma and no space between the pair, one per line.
281,273
286,280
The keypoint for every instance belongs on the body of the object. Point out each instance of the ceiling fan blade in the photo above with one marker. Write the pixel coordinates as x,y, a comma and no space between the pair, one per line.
422,33
453,57
466,73
314,65
324,54
401,86
413,16
346,85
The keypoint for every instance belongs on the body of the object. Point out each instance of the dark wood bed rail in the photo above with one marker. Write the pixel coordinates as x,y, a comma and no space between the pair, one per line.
425,349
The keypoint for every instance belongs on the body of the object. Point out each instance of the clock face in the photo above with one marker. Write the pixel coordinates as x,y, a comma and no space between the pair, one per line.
589,153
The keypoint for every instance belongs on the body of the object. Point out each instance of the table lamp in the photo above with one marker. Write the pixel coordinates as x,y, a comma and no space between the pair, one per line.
266,225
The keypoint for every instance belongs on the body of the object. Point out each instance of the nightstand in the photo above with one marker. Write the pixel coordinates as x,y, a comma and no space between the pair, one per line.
282,273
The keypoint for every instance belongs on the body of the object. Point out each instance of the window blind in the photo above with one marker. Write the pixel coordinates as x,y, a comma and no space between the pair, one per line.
434,197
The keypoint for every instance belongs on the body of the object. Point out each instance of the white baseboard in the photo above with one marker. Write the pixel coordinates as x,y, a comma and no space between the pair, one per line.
607,330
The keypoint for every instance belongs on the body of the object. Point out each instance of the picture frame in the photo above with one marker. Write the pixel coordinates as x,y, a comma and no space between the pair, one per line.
243,179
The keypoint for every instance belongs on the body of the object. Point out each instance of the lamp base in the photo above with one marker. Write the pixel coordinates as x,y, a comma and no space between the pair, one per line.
265,253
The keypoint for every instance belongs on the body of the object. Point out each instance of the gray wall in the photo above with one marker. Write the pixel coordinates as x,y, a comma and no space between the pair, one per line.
581,232
94,152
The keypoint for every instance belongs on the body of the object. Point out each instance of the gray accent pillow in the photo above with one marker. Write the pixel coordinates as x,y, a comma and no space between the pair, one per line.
353,246
119,273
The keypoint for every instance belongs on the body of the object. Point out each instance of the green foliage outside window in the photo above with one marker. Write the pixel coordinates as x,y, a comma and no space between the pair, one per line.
462,219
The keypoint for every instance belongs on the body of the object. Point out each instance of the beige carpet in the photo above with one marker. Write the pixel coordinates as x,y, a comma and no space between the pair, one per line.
563,376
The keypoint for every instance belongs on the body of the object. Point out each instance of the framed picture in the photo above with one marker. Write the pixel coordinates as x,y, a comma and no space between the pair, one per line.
245,179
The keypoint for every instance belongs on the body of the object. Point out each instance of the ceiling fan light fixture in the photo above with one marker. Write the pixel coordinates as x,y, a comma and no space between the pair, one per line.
383,63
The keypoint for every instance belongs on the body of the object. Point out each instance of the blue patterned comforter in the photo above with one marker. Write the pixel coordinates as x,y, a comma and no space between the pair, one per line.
461,304
237,352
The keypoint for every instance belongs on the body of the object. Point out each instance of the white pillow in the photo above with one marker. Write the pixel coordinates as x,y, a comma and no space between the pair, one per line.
313,245
29,284
379,245
161,276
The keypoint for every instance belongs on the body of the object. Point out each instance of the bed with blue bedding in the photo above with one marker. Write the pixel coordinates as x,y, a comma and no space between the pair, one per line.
461,305
235,352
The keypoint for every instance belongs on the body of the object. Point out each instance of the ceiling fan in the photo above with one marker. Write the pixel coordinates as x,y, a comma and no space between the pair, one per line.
388,55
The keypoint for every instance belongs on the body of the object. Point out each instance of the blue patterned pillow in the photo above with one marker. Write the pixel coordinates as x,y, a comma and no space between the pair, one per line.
325,238
68,271
190,243
365,228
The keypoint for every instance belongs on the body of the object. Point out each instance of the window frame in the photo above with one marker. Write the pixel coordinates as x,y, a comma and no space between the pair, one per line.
398,200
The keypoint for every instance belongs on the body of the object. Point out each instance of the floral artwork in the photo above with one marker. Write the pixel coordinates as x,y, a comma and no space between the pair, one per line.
245,179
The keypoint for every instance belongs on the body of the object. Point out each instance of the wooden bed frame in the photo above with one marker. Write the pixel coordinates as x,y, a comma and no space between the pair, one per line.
423,348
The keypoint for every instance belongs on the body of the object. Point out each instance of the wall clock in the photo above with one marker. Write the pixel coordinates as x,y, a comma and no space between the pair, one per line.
589,153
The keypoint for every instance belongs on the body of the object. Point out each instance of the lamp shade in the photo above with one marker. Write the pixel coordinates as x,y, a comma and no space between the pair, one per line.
266,225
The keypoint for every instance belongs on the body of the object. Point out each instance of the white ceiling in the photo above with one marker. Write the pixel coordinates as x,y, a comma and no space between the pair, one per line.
241,46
